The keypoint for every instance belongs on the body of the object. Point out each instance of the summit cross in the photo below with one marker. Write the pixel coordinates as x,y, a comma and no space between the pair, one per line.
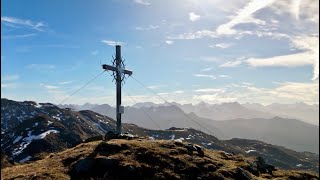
119,73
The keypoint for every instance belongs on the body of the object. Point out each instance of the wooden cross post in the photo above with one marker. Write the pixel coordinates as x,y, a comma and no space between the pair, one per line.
119,73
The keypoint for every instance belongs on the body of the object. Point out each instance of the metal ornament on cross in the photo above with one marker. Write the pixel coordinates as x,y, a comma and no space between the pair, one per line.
119,72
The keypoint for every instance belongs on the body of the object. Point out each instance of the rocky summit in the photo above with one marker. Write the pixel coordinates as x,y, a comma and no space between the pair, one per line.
142,158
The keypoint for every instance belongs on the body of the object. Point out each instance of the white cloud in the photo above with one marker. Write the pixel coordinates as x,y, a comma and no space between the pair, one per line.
8,85
169,42
10,77
18,36
112,43
309,45
295,8
286,92
224,76
178,92
41,66
50,87
222,45
193,16
195,35
12,21
234,63
244,16
307,10
163,93
209,90
292,60
156,86
142,2
148,28
206,69
65,82
205,76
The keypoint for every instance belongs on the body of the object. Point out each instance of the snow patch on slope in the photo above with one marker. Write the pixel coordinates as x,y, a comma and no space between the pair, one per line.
29,139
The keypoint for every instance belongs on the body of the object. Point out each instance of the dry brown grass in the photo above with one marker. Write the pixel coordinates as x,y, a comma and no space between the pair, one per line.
143,159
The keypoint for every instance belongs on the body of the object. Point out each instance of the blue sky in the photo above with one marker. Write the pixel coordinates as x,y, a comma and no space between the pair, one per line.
188,51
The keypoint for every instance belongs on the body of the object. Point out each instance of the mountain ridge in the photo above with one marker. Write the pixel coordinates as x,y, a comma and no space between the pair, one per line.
58,123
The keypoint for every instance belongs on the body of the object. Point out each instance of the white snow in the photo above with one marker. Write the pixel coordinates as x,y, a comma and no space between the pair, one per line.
179,140
172,136
251,150
299,165
35,124
38,106
57,118
17,139
49,122
151,138
25,159
29,139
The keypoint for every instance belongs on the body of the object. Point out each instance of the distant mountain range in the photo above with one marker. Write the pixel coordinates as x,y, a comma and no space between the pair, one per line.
31,131
234,110
243,123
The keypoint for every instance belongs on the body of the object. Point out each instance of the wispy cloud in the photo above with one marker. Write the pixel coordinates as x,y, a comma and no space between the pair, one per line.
234,63
8,85
65,82
205,76
112,43
193,16
209,59
95,52
222,45
150,27
41,66
142,2
178,92
309,45
9,81
169,42
51,87
195,35
13,22
224,76
17,36
156,86
10,77
286,92
244,16
210,90
206,69
291,60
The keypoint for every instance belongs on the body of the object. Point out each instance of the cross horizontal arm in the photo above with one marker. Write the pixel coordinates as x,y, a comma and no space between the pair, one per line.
112,68
127,72
108,67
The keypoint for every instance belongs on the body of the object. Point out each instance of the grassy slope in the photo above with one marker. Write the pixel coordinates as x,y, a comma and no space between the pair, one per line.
138,159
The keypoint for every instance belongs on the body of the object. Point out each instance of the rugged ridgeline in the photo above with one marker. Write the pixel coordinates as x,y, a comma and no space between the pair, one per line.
291,133
147,159
31,131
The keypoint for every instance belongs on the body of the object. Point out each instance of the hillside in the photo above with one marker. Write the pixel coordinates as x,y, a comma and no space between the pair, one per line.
57,129
144,159
291,133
